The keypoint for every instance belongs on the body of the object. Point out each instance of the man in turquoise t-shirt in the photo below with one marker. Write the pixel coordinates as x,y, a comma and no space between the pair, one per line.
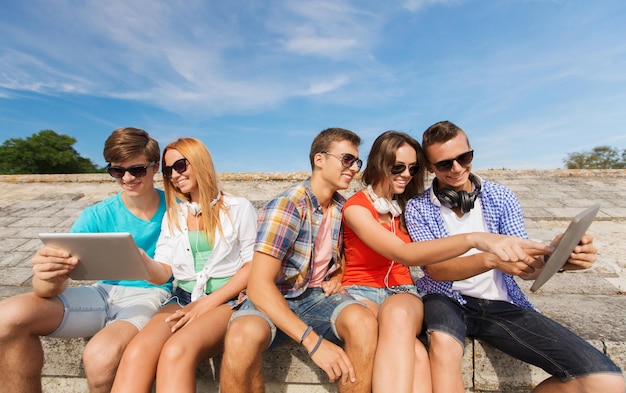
110,312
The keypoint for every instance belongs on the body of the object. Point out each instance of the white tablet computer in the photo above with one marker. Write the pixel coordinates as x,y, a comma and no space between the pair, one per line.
570,239
102,256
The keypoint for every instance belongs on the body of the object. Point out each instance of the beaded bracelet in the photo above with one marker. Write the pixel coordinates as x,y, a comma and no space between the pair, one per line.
317,345
306,332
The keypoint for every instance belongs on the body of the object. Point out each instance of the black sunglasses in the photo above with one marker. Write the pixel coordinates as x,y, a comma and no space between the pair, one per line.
347,159
118,172
179,166
463,159
400,168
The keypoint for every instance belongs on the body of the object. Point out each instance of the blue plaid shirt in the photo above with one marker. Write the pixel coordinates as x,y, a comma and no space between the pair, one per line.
502,214
288,225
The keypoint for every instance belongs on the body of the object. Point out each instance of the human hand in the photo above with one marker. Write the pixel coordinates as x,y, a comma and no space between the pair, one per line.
332,286
190,312
53,265
330,358
507,248
526,269
583,256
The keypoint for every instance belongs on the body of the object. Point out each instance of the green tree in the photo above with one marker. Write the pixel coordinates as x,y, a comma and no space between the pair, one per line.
45,152
600,157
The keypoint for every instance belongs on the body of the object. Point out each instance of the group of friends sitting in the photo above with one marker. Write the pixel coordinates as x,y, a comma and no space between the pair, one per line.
312,267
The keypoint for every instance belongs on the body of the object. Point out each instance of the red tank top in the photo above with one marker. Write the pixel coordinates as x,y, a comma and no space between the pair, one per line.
363,265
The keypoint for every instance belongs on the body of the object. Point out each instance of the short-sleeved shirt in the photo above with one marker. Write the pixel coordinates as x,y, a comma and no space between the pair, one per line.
502,214
365,266
288,225
112,215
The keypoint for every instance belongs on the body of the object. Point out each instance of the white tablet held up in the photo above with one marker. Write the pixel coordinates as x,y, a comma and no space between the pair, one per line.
570,239
102,256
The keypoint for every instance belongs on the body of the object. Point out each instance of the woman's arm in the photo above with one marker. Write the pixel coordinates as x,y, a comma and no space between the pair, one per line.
160,273
385,243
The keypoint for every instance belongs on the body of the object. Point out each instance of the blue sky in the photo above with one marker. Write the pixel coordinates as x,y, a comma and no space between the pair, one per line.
528,80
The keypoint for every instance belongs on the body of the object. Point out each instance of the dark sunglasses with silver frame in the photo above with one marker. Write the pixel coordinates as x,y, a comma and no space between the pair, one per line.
400,168
179,166
463,159
118,172
347,159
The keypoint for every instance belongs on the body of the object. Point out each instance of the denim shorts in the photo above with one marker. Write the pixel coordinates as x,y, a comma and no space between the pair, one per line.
521,333
183,298
378,295
88,309
313,307
180,297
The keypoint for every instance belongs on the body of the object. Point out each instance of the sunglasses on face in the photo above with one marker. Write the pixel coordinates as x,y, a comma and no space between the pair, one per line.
118,172
347,159
463,159
400,168
179,166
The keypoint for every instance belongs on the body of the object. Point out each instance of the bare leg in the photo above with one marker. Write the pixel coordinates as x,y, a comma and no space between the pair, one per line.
597,383
399,354
103,353
246,340
446,354
183,352
358,328
25,318
421,374
137,369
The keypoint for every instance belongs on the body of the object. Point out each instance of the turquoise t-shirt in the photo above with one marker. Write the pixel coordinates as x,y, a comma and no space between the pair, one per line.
111,215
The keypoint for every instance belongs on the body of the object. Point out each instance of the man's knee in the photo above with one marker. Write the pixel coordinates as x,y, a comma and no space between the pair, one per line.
246,336
357,324
606,383
13,318
443,345
247,332
102,356
96,354
28,314
246,339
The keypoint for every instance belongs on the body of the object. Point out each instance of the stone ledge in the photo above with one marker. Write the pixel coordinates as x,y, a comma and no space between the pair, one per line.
288,369
297,176
485,369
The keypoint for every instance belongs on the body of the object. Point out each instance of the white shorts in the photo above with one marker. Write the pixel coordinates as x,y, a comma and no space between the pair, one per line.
88,309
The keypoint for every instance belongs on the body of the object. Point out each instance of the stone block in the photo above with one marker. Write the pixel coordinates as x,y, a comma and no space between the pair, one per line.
495,371
617,352
63,357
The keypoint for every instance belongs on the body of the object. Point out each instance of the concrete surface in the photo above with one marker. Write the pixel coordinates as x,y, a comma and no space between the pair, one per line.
591,303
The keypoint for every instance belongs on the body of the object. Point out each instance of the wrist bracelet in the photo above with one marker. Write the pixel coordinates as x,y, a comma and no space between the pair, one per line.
306,332
317,345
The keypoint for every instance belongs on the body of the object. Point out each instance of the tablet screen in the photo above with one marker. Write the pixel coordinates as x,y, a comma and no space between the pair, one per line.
564,248
102,256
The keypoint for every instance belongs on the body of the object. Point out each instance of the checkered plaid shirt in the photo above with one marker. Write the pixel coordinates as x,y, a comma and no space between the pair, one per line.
287,228
503,215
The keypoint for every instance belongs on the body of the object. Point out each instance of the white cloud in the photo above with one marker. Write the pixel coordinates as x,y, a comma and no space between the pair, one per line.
333,29
197,57
330,47
416,5
326,86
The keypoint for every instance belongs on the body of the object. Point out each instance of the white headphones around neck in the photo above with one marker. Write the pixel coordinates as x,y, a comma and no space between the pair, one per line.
384,205
195,208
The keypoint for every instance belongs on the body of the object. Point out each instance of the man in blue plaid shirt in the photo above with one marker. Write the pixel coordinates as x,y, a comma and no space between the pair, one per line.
294,286
475,294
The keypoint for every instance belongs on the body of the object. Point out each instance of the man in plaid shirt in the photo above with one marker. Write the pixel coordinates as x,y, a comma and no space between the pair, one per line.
475,294
295,288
